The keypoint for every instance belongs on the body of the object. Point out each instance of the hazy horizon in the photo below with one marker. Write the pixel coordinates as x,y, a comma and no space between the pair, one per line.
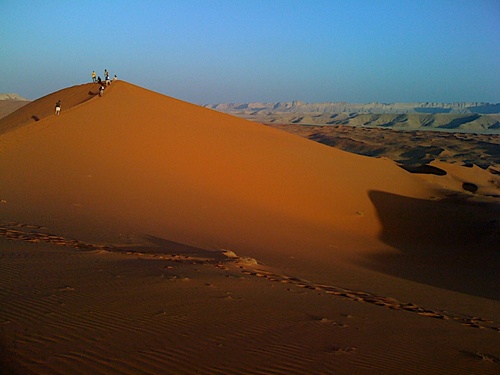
223,51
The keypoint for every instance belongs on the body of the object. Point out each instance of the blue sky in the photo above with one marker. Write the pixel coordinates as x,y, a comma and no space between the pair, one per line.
215,51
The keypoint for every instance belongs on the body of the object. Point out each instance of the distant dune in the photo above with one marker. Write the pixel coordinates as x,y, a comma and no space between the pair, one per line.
12,96
410,149
143,234
10,103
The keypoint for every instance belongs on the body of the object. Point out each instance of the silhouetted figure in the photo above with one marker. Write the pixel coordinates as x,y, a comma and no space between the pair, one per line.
99,81
58,107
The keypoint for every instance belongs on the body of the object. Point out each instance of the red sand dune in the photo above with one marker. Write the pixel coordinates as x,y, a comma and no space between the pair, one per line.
110,170
138,161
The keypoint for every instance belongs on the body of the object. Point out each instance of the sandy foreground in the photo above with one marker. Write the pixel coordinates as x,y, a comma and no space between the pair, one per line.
140,234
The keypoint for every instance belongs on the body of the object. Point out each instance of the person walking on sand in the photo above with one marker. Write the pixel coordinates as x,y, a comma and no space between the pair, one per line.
101,90
94,76
106,73
58,107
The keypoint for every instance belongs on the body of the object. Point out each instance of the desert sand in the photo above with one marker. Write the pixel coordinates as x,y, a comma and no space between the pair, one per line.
141,234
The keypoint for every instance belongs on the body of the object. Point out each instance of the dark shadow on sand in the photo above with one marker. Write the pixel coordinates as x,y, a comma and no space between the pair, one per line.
424,169
452,243
161,246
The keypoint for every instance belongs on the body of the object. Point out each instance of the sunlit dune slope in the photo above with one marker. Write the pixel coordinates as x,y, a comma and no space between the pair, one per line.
138,162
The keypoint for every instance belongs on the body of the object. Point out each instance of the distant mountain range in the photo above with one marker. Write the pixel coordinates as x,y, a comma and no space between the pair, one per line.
376,108
473,117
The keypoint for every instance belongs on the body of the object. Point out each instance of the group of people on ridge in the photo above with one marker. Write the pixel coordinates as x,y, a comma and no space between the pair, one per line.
107,80
95,79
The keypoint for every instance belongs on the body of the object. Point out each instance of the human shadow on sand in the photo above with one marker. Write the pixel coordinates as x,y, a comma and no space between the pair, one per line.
450,243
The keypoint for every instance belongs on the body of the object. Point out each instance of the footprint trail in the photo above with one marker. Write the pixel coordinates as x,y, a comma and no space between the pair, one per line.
225,260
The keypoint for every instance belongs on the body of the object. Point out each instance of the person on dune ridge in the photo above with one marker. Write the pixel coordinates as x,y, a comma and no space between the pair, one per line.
58,107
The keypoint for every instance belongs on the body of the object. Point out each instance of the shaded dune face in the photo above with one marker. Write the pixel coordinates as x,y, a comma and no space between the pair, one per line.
442,243
135,161
44,107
